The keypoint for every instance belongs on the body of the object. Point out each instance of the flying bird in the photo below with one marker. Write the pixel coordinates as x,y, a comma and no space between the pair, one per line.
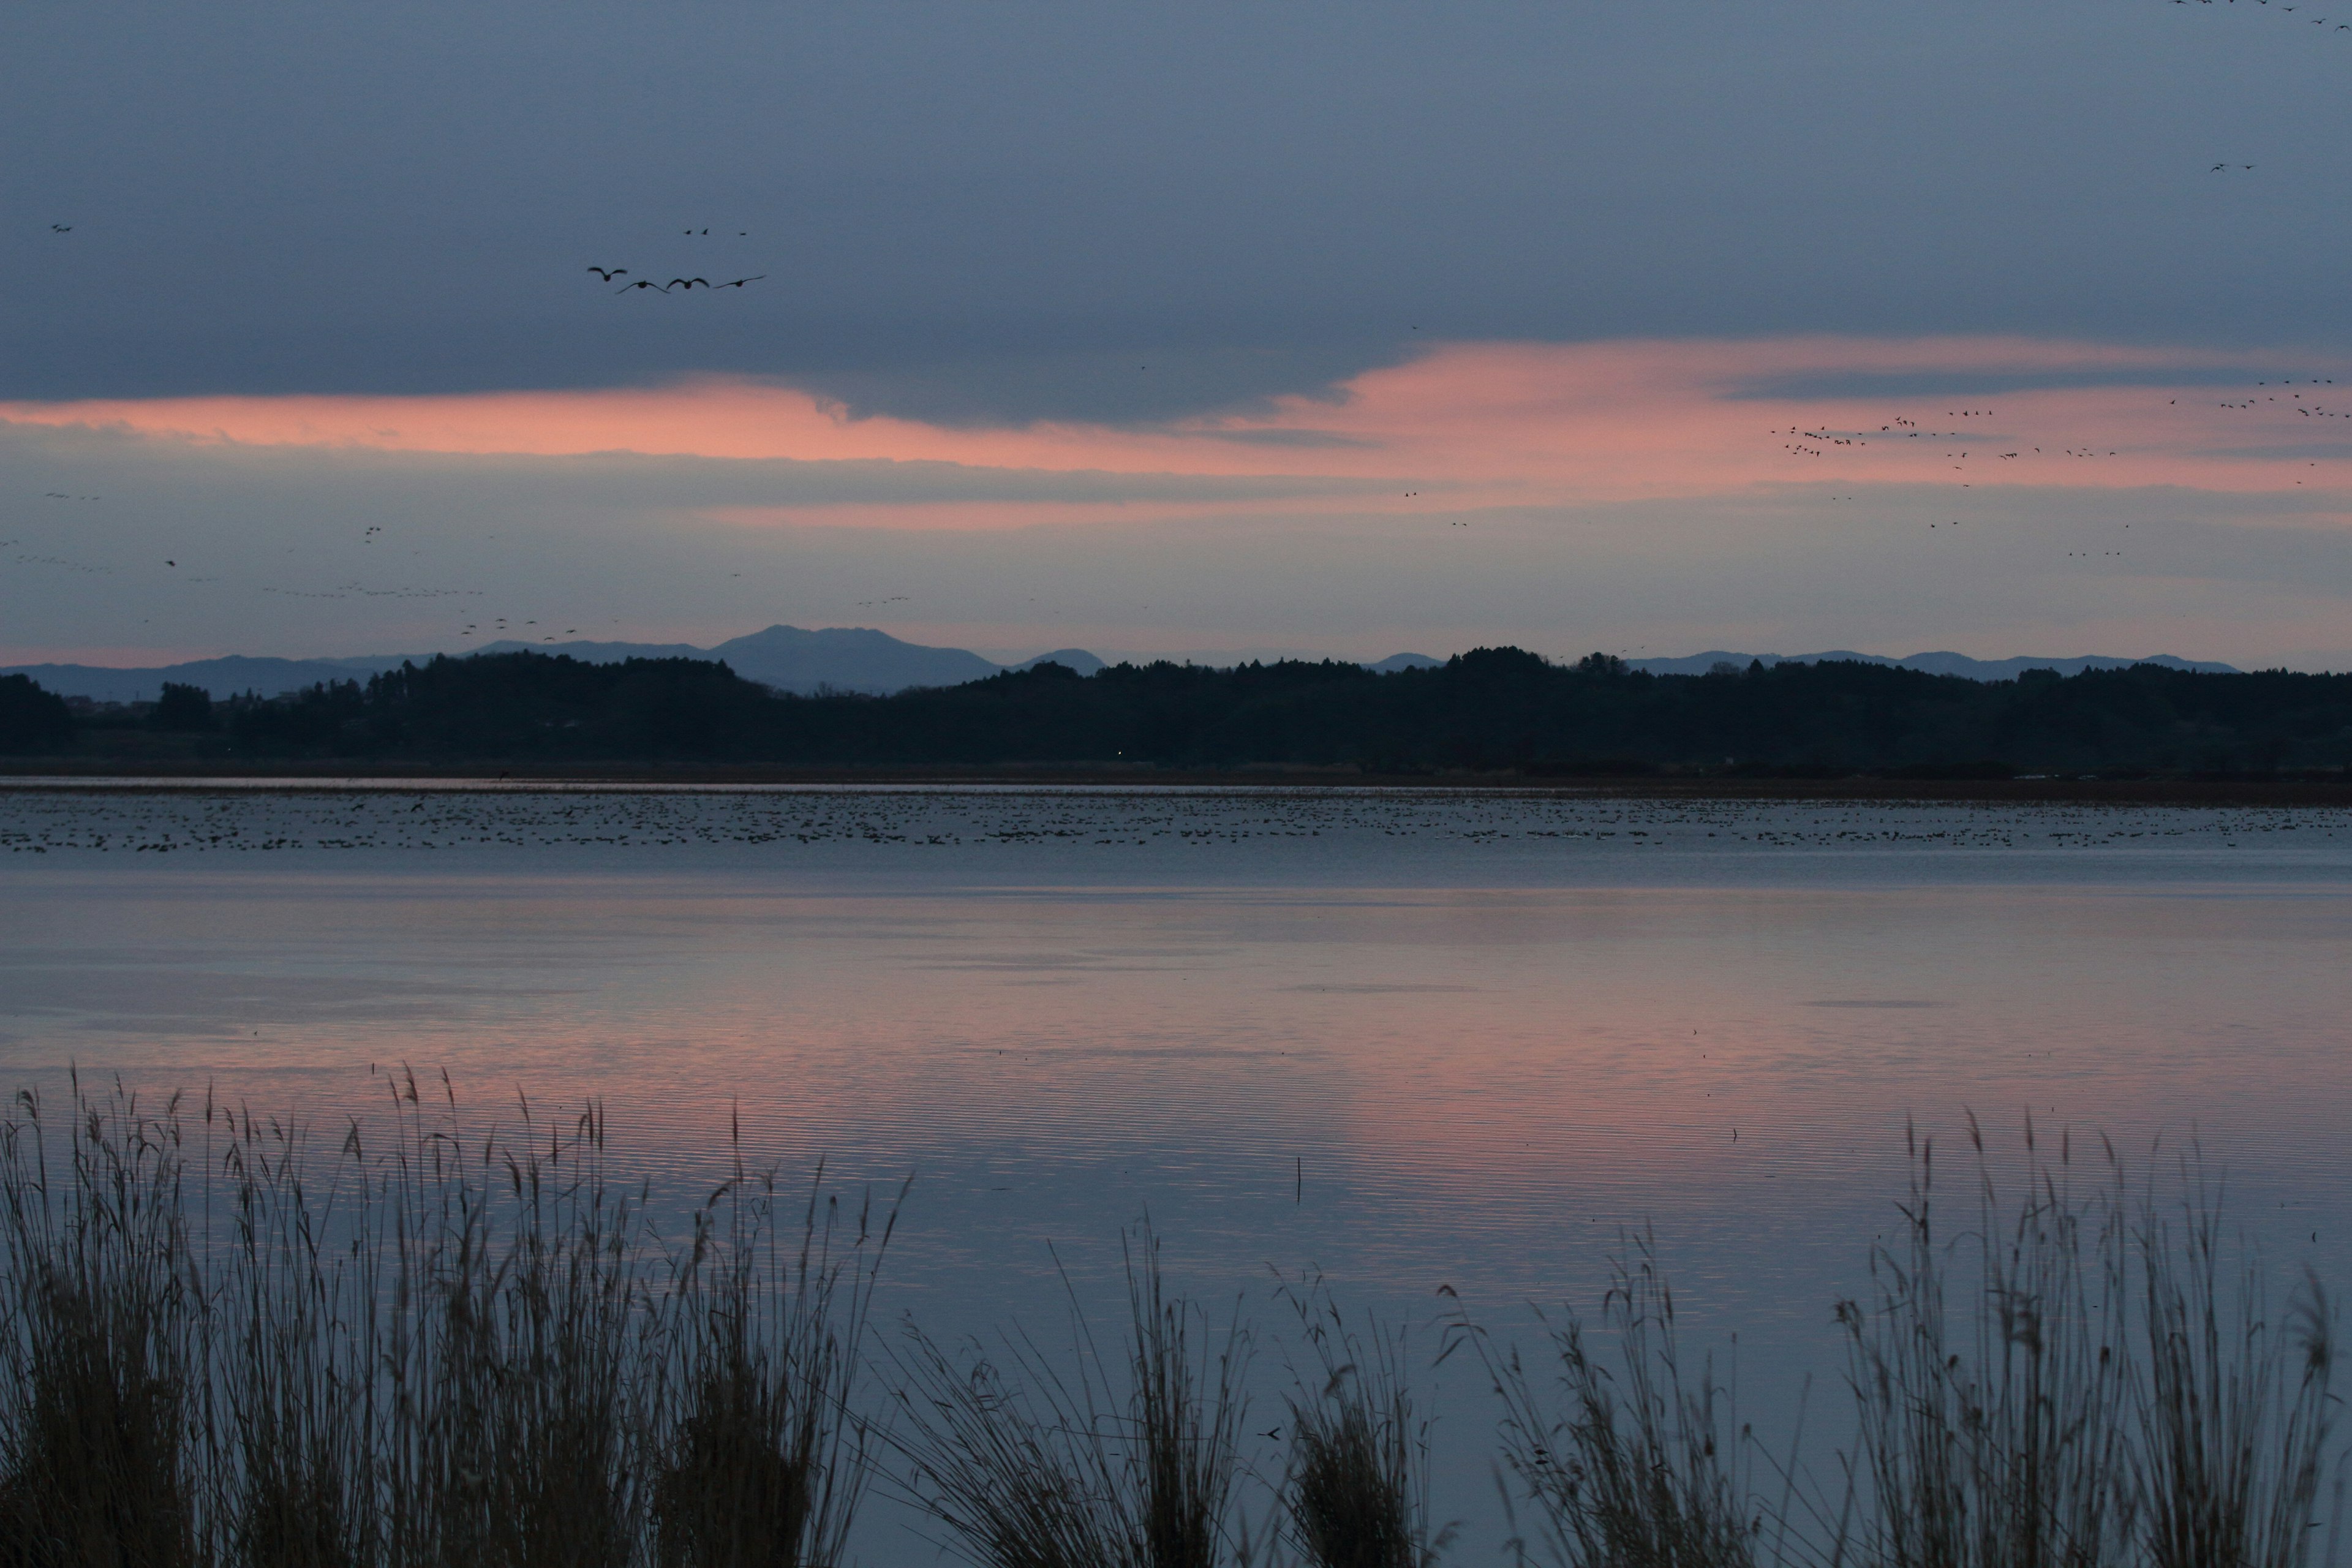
609,273
61,228
642,283
740,282
686,283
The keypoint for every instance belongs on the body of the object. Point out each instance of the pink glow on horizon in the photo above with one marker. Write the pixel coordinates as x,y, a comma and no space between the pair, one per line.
1462,426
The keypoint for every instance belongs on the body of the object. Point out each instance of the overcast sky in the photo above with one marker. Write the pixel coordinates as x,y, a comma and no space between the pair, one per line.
1342,328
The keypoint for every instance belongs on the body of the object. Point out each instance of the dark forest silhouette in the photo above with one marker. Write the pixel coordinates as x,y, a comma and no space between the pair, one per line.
1491,710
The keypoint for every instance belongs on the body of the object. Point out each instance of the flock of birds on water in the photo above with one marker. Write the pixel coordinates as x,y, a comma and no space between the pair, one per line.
1172,824
1802,442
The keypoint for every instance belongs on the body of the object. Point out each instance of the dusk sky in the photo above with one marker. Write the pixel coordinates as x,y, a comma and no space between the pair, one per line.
1331,329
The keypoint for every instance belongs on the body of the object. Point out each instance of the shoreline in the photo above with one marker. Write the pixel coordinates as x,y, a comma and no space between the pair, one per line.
33,776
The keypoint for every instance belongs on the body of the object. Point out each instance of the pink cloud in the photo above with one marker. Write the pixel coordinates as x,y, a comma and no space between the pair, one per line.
1462,426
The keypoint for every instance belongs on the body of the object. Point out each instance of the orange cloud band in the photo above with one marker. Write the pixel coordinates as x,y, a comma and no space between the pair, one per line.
1462,426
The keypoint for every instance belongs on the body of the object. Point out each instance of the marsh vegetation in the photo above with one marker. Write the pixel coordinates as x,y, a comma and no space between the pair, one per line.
226,1342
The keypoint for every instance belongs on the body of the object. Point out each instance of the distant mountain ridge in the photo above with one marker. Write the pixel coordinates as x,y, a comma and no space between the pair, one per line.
221,676
862,659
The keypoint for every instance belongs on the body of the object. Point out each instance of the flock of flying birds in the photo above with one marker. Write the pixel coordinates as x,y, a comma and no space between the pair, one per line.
688,285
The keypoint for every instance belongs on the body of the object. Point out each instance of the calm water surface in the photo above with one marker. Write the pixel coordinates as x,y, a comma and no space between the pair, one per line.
1413,1037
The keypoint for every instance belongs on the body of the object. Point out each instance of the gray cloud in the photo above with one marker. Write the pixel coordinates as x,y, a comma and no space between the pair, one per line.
1003,213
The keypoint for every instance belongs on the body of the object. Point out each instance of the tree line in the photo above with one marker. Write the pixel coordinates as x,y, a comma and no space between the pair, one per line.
1499,709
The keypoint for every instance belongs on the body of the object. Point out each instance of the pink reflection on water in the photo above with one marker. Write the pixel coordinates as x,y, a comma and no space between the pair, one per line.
1462,1085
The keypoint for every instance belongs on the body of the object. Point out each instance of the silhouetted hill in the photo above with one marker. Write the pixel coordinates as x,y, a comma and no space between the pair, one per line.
1076,658
837,658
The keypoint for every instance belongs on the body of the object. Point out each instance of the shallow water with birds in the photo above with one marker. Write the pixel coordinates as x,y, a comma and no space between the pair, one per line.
1413,1038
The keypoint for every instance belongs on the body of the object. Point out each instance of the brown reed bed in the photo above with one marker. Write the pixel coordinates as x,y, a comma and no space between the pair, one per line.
228,1345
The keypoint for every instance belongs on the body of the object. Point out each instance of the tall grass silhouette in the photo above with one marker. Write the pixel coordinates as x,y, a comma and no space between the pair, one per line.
1354,1493
222,1348
1030,1460
228,1342
2075,1377
1635,1464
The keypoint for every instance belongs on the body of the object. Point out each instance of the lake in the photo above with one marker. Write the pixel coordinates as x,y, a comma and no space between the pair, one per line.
1413,1037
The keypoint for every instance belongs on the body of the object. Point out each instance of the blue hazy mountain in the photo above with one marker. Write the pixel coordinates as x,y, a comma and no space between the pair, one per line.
221,676
1397,661
1931,663
847,658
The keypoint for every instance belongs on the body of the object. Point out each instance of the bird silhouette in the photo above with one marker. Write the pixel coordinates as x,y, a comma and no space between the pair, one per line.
609,273
739,283
61,228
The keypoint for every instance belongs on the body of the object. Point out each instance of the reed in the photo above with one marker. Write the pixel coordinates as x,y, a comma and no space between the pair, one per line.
98,1460
1634,1466
1996,1430
2234,1415
226,1343
2070,1377
1029,1465
2110,1387
1356,1490
760,1457
512,1344
459,1348
296,1381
